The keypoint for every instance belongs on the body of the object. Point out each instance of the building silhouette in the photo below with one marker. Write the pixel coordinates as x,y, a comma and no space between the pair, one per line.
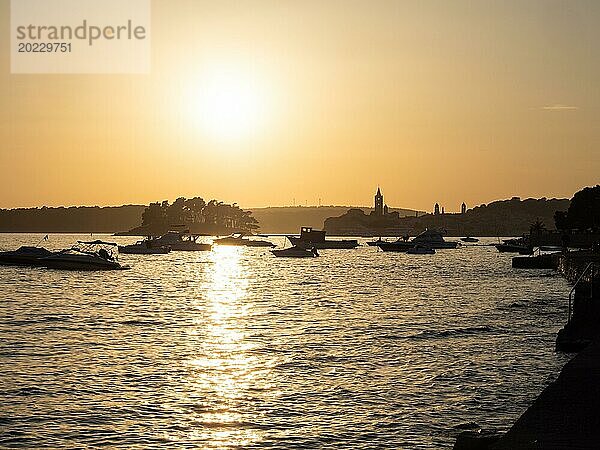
463,208
380,209
436,209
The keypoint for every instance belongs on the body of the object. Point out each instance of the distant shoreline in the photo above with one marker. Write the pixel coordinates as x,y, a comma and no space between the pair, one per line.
512,217
125,218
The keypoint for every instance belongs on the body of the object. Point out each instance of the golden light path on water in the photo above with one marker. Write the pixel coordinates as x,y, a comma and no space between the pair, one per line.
224,365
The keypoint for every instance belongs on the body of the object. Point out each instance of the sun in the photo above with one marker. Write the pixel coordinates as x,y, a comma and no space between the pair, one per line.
227,105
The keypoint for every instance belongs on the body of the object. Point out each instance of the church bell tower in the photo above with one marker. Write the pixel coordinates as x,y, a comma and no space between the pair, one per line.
378,203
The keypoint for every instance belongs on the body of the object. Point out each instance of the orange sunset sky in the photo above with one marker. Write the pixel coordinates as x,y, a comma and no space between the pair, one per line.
263,102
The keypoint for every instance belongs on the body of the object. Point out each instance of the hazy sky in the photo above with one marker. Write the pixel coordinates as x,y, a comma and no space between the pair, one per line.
263,102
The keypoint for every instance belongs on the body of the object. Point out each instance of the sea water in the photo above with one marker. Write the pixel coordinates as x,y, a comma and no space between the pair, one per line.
235,348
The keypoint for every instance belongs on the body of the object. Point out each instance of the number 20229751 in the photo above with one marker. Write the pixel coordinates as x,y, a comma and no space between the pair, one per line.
44,47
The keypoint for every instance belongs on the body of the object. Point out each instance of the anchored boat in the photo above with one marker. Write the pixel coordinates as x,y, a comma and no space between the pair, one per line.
375,243
24,256
180,241
94,255
144,247
310,238
239,239
514,246
429,238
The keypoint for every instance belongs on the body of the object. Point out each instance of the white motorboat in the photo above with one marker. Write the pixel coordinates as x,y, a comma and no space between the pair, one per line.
428,238
94,255
180,241
239,239
433,239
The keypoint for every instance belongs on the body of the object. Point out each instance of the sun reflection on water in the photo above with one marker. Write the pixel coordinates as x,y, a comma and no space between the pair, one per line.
223,369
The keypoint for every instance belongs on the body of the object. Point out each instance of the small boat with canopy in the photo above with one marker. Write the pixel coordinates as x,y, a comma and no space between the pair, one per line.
86,255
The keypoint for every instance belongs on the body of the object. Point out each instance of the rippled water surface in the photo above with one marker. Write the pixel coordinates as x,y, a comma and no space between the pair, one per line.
235,348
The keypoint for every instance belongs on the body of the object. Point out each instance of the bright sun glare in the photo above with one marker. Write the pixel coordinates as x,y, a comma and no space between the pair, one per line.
227,105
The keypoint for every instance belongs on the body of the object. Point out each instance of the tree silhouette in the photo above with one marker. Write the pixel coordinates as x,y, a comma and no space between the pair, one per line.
537,227
211,216
583,212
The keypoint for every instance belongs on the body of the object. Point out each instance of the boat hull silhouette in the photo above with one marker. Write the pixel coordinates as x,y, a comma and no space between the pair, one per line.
428,238
295,252
310,238
238,239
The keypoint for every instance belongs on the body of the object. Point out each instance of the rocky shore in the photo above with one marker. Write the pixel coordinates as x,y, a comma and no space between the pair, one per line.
565,415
